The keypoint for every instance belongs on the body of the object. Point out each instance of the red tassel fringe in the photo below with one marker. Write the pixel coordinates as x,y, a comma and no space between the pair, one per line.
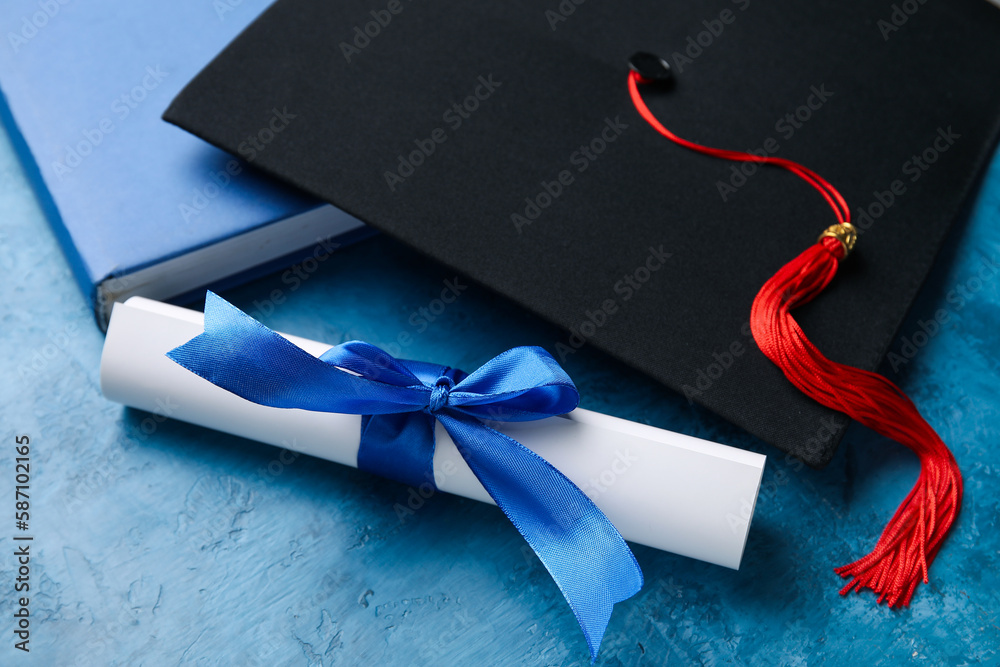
913,537
908,545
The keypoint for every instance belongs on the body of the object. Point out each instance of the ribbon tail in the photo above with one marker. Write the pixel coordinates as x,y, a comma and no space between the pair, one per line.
242,356
579,546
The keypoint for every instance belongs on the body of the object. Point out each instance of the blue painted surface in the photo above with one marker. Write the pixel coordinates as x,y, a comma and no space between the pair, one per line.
159,543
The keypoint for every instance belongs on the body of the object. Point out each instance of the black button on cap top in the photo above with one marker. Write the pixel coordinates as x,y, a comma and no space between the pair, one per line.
650,67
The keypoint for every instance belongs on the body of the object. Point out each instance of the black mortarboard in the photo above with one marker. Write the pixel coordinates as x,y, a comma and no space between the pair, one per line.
499,138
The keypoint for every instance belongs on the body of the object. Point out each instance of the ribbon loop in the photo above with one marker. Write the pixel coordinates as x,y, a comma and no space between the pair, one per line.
401,400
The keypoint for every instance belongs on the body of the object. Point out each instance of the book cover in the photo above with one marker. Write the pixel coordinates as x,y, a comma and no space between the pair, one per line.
139,206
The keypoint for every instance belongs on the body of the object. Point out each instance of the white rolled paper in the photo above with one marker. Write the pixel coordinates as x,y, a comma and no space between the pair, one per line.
662,489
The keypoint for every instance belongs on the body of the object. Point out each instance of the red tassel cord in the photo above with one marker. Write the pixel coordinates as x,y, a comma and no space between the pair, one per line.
914,535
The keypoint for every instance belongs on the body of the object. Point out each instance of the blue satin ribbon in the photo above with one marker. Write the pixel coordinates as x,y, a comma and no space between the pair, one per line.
399,402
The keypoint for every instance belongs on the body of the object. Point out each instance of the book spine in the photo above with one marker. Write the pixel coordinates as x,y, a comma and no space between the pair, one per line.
32,170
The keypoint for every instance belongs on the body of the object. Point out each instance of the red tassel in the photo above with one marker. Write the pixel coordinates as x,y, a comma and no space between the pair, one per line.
916,532
913,537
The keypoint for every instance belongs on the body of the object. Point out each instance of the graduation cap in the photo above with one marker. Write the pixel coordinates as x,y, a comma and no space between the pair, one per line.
512,142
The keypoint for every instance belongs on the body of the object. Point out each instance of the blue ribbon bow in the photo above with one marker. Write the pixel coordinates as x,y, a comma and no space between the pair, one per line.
400,400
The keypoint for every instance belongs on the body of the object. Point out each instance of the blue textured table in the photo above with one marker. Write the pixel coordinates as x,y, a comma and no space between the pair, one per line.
160,543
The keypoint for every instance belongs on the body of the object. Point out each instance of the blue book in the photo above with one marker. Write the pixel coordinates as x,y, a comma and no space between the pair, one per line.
139,205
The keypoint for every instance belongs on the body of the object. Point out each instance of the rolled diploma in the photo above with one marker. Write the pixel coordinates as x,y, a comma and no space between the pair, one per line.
662,489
